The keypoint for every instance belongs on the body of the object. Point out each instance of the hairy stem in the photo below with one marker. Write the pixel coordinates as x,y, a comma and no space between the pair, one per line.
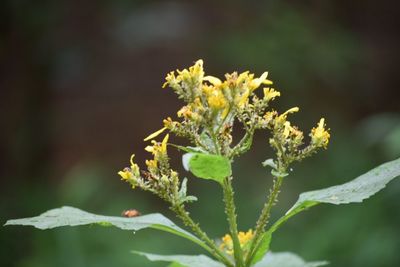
263,219
230,211
180,211
244,144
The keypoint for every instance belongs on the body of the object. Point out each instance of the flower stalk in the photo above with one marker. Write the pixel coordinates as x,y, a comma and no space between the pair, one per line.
180,211
263,218
230,210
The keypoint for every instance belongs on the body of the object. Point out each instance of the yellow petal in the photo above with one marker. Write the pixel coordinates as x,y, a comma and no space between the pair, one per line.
243,99
149,149
267,82
199,62
242,77
213,80
258,81
164,143
287,129
270,93
126,175
155,134
321,123
291,110
131,160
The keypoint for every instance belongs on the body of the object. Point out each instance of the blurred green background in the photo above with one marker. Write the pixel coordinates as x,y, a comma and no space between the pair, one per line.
81,86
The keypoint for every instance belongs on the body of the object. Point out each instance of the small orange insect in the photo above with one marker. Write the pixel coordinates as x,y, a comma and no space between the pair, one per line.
131,213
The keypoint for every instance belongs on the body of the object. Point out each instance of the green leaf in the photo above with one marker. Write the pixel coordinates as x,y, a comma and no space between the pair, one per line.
263,247
356,190
271,163
183,260
183,191
69,216
176,264
286,259
207,166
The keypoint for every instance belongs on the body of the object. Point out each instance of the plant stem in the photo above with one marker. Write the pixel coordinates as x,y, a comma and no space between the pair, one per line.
244,144
230,211
263,219
180,211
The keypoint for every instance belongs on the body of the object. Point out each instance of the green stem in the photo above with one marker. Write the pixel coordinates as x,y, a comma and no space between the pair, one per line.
180,211
215,141
244,144
230,211
263,219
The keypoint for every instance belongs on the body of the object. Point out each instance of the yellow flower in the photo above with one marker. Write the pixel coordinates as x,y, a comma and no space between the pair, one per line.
270,94
217,100
269,116
255,83
244,240
151,164
227,244
287,130
130,174
208,89
241,100
281,119
158,148
185,112
213,80
187,82
243,77
245,237
126,174
320,136
134,167
171,80
197,69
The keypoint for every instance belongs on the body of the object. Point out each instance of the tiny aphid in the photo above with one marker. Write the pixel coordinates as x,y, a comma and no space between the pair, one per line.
131,213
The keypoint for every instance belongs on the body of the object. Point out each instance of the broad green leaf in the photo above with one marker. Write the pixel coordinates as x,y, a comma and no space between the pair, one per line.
286,259
183,260
69,216
356,190
207,166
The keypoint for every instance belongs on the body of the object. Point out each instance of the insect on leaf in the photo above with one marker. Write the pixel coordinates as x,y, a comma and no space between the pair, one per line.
69,216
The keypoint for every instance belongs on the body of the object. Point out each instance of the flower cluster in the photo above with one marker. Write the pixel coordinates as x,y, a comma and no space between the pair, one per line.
244,239
159,177
213,105
288,141
211,108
